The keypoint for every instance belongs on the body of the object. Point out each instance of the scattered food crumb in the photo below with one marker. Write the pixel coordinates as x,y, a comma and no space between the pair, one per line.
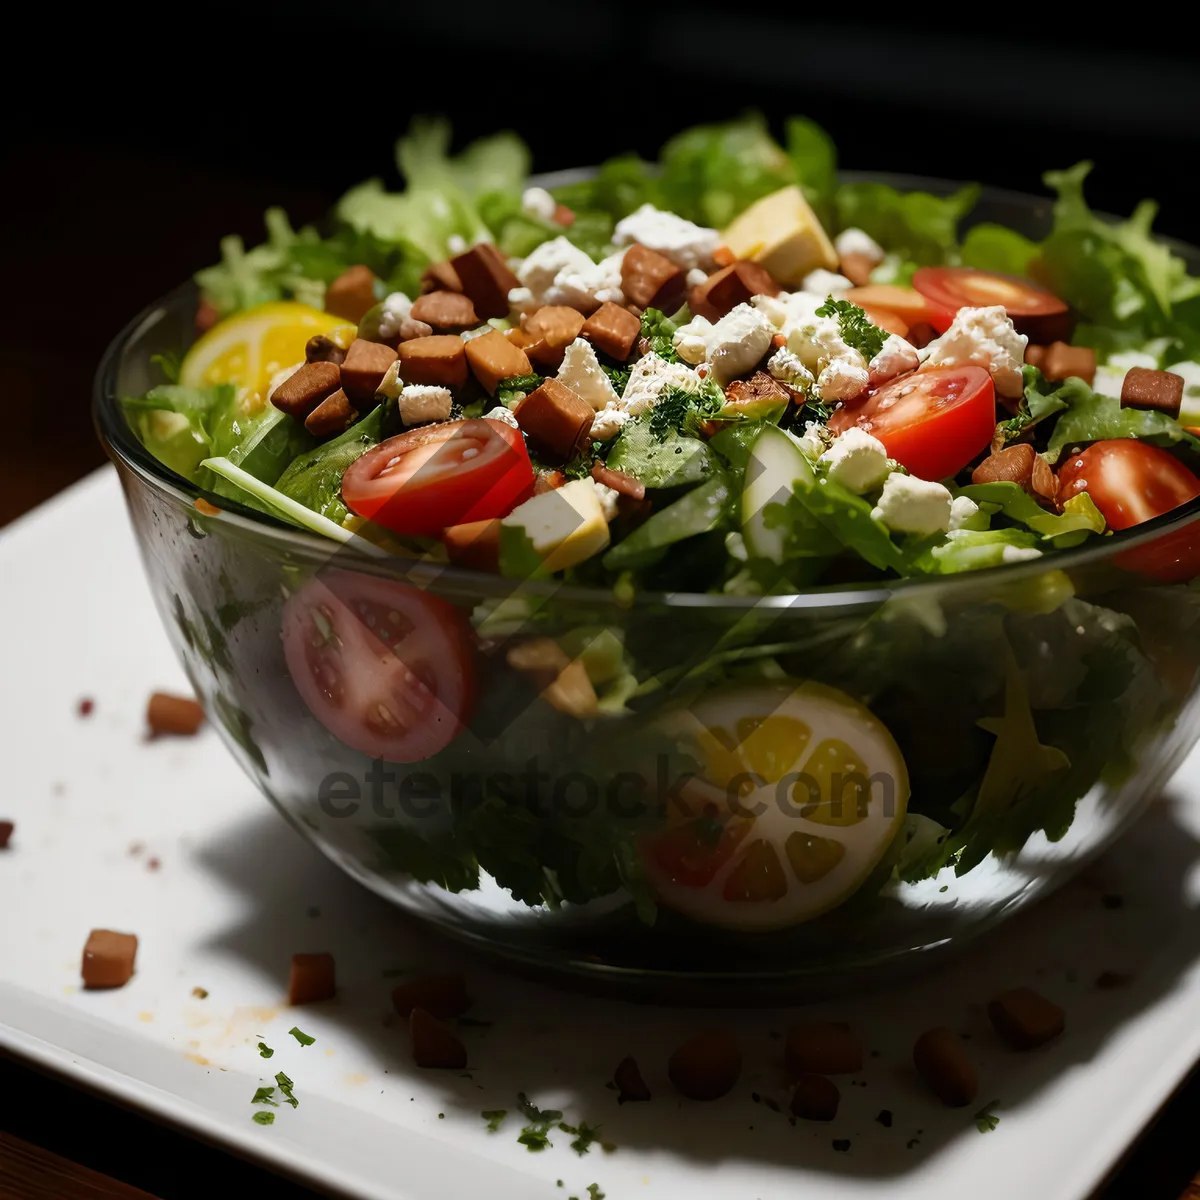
1112,900
884,1117
264,1051
200,993
178,716
108,959
153,864
285,1087
311,979
627,1079
264,1118
86,706
1113,979
303,1038
495,1118
815,1098
911,1143
707,1066
443,995
841,1145
6,832
433,1045
985,1119
136,848
1025,1019
441,1116
941,1061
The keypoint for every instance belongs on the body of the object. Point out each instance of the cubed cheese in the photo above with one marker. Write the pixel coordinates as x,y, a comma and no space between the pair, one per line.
582,373
738,341
536,202
911,505
857,241
782,232
650,377
421,403
825,283
857,461
565,525
687,245
982,337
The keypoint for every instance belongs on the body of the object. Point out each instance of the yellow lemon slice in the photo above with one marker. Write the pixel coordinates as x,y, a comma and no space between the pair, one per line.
251,346
802,792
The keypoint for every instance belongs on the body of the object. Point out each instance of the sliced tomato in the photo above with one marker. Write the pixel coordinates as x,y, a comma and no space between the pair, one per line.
932,422
386,668
888,319
1033,310
1131,482
907,303
419,482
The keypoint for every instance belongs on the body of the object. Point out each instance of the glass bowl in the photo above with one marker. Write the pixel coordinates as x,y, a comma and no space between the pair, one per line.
549,834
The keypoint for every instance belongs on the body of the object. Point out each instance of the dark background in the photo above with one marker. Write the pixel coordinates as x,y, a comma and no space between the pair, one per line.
135,137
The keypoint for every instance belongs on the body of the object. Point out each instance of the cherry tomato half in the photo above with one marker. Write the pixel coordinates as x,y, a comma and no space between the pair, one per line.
1131,482
419,482
1033,311
932,422
386,668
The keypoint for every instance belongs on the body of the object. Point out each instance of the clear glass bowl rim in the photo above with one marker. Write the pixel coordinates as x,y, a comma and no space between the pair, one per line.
123,445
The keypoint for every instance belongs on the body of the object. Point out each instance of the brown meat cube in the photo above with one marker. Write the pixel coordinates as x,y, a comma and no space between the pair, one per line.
1020,464
618,481
631,1087
822,1048
304,389
443,995
555,420
941,1060
207,315
322,349
1025,1019
493,358
612,329
474,544
1035,356
857,268
706,1067
1160,391
178,715
108,959
6,832
440,360
1060,361
815,1098
311,979
651,280
553,328
735,285
485,277
351,294
333,415
760,388
433,1045
440,277
363,371
446,312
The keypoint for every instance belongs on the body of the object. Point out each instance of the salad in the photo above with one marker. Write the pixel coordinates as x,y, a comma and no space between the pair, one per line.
727,373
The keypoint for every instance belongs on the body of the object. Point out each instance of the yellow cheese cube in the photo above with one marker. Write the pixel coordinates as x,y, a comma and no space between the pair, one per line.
782,232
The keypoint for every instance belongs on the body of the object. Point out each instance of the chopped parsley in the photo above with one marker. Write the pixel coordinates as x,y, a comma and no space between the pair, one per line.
681,410
534,1139
594,1192
264,1118
618,377
301,1036
580,467
584,1134
264,1050
263,1096
985,1119
509,391
285,1086
658,330
538,1116
494,1118
855,326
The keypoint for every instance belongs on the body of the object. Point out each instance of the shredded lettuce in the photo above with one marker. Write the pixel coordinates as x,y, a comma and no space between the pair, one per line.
314,479
1079,517
990,247
1090,417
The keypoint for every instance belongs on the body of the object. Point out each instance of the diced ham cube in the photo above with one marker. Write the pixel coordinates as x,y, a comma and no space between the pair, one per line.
1025,1019
363,371
553,328
651,280
494,358
440,359
486,278
441,996
304,389
555,420
333,415
440,277
351,294
474,544
433,1045
613,330
1159,391
445,312
724,290
108,959
311,979
178,715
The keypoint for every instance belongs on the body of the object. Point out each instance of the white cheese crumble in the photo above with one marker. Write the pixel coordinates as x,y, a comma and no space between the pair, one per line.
787,368
982,337
456,244
895,358
962,510
609,499
1016,554
686,244
396,307
500,413
857,461
558,272
607,423
536,202
825,283
582,373
858,241
911,505
691,340
738,342
814,441
421,403
650,378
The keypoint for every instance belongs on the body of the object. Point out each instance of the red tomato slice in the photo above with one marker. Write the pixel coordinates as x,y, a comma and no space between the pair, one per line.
885,318
386,668
419,482
948,289
932,422
1131,482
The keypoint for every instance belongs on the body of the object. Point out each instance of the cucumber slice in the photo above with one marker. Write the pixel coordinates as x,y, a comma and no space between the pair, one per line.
775,468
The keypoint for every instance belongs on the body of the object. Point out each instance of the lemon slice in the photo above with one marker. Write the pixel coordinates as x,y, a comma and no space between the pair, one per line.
802,792
251,346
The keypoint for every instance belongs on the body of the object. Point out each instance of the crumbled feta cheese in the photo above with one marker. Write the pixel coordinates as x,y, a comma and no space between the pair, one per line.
738,341
858,241
787,308
691,340
686,244
771,307
1016,554
607,423
962,509
421,403
456,244
395,311
825,283
1126,360
536,202
896,357
982,337
817,342
520,302
911,505
815,440
582,373
558,272
609,499
650,377
841,379
787,368
500,413
857,461
281,376
696,276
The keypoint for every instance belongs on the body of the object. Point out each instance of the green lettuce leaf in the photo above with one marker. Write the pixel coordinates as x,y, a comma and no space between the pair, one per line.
1091,417
990,247
918,227
314,479
670,460
1079,517
814,159
701,510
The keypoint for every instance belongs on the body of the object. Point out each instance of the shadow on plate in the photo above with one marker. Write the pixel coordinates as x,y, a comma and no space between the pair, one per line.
1105,946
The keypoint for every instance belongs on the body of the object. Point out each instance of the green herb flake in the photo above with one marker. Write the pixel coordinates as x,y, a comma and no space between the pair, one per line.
585,1135
594,1192
301,1036
263,1118
285,1086
263,1096
264,1050
534,1139
535,1115
494,1118
670,412
985,1119
855,326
